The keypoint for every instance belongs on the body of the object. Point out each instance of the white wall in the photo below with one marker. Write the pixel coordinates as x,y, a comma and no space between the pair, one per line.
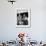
8,28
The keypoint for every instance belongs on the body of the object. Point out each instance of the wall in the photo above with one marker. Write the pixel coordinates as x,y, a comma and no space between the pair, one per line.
8,28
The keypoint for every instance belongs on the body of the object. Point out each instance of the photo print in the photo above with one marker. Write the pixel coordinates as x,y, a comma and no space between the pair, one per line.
23,18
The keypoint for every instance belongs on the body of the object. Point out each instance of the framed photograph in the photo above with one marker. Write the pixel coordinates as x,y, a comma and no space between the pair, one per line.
23,18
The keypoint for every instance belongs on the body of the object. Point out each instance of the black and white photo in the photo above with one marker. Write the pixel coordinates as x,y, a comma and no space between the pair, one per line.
23,18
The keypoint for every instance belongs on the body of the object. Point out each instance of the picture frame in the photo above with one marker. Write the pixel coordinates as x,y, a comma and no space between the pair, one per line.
23,18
